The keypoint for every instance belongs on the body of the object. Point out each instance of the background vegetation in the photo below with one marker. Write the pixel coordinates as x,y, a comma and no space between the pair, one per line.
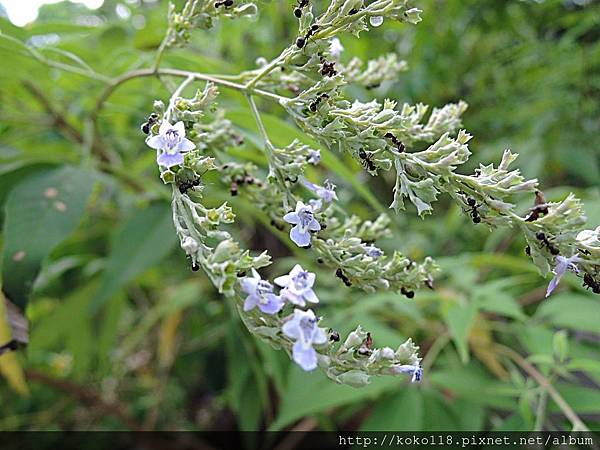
124,335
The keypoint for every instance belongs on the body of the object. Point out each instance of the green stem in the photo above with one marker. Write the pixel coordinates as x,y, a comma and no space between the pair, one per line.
268,69
159,54
142,73
176,95
269,150
544,383
540,415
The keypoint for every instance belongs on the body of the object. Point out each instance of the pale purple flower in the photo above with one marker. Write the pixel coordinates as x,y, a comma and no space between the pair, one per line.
260,293
562,265
415,371
314,157
325,192
372,251
304,222
297,286
302,327
170,143
335,48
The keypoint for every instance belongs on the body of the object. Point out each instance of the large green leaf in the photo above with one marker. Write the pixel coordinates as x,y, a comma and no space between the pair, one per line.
391,413
324,395
143,241
41,211
579,312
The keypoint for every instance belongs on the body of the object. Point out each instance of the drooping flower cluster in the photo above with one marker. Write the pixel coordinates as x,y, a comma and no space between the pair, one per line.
425,150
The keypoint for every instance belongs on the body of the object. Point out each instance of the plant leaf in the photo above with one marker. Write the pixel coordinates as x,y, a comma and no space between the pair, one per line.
144,240
41,211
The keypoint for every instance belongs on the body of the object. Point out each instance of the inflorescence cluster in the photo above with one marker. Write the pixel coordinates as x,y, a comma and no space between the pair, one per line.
424,150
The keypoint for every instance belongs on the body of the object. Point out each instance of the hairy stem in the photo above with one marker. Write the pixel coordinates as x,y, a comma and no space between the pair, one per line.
269,151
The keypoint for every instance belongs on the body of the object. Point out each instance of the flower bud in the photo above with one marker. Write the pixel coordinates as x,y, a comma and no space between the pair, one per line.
354,378
189,245
354,339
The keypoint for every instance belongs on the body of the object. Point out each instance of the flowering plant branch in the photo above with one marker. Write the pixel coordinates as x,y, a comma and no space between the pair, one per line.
307,80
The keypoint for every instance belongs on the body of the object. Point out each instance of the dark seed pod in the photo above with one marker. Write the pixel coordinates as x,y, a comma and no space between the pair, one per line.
471,201
528,250
145,128
540,236
334,336
298,12
195,267
300,42
241,274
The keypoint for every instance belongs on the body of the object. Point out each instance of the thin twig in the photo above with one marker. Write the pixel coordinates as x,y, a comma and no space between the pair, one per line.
140,73
545,383
296,434
60,121
86,395
58,118
269,149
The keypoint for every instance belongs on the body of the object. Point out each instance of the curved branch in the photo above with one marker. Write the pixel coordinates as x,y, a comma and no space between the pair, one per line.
545,383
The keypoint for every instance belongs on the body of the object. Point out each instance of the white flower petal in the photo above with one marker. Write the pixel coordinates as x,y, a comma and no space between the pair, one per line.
185,145
292,217
180,128
282,281
164,127
156,142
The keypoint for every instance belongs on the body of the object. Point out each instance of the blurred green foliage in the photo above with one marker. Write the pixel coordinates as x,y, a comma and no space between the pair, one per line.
116,310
